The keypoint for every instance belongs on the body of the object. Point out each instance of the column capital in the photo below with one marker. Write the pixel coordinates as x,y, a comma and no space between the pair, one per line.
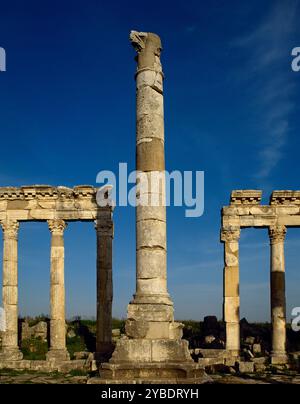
10,228
148,47
104,228
231,233
57,226
277,233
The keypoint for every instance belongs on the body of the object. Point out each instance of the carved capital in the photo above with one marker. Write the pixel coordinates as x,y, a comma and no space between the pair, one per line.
277,234
104,228
148,47
229,234
57,226
10,228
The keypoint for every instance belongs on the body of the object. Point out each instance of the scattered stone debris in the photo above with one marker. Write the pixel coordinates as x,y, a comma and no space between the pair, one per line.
71,333
39,330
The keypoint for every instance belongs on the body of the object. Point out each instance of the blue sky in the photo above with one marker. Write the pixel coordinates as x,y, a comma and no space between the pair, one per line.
67,111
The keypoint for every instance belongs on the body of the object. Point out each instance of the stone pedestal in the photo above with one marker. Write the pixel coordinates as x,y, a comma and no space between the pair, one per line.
10,350
58,350
152,350
151,373
231,306
278,304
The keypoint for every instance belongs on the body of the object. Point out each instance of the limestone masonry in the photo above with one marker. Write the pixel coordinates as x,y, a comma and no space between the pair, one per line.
245,211
152,349
56,206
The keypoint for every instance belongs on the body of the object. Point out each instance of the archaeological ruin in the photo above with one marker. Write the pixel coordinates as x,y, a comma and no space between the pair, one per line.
246,211
152,349
56,206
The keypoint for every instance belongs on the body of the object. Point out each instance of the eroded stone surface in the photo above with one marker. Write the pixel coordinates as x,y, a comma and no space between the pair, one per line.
56,205
245,211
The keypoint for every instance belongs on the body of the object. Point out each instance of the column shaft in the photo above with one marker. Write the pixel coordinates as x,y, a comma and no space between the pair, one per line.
104,287
231,304
152,335
151,262
10,349
278,303
57,293
150,313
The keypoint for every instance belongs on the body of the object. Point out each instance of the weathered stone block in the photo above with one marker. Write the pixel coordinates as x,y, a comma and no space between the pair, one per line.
246,367
10,295
151,263
150,155
150,78
150,126
152,286
231,309
150,312
151,212
151,233
149,102
231,282
170,351
256,348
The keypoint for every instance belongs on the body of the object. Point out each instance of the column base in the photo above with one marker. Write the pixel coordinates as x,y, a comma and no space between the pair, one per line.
151,373
279,358
58,355
141,361
11,354
150,351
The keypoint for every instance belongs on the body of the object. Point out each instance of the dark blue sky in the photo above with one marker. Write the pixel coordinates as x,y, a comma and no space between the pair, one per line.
67,111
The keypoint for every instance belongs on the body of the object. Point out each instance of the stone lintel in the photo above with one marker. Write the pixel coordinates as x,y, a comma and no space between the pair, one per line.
44,202
45,192
258,221
262,221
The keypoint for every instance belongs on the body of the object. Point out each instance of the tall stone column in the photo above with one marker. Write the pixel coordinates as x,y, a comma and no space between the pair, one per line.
58,350
278,304
231,304
10,349
150,314
104,229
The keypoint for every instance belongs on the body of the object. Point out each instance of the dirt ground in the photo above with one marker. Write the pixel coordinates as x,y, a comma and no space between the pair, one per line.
23,377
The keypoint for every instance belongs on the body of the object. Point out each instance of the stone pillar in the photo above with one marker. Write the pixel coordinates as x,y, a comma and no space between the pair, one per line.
150,314
153,348
231,304
104,229
10,349
151,263
278,309
58,349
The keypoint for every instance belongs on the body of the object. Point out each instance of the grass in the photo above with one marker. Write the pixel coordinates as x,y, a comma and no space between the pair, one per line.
34,349
91,324
19,372
75,344
117,323
78,372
